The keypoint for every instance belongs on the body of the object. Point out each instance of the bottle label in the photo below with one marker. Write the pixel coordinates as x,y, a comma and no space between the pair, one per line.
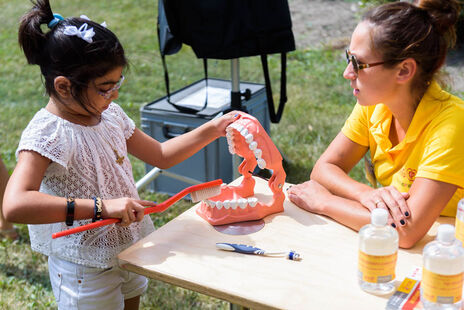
459,229
377,269
442,289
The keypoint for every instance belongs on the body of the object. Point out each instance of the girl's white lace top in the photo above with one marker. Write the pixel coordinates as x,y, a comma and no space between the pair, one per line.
83,166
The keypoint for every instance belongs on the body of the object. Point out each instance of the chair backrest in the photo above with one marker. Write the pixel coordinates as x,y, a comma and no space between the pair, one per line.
229,29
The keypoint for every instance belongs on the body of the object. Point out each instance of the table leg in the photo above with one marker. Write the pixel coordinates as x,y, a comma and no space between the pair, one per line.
237,307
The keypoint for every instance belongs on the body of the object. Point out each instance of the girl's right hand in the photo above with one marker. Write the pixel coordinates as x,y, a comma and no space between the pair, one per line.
388,198
127,209
222,122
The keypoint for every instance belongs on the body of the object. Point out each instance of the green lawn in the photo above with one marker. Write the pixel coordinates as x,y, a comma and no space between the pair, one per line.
319,101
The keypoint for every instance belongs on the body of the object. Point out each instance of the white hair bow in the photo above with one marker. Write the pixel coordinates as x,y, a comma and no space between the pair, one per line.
83,33
87,18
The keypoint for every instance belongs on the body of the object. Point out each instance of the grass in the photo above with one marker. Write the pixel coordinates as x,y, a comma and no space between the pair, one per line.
319,102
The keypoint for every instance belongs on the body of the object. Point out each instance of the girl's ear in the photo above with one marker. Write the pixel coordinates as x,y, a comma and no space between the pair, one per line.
63,86
407,70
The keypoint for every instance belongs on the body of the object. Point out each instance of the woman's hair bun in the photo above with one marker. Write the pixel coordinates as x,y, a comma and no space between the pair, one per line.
445,14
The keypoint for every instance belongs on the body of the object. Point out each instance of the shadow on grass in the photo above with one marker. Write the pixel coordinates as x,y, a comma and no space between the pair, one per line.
28,274
296,172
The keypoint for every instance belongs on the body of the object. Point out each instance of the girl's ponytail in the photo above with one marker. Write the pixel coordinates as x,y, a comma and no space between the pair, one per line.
31,37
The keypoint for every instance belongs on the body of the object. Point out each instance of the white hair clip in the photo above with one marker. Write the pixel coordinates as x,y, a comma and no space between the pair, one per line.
83,33
87,18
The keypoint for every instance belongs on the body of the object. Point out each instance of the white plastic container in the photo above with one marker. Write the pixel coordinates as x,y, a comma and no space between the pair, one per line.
443,269
460,221
378,250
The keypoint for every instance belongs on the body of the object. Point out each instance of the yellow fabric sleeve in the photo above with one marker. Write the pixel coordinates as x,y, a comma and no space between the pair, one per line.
443,157
356,126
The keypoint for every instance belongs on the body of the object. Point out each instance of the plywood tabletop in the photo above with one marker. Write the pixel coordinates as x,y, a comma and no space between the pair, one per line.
183,253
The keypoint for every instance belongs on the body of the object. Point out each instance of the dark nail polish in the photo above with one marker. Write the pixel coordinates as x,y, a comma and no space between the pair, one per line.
402,222
393,225
406,213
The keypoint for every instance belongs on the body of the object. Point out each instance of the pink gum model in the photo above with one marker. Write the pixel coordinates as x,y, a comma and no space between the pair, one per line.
248,139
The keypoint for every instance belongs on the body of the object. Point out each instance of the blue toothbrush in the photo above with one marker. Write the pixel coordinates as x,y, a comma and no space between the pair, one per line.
248,249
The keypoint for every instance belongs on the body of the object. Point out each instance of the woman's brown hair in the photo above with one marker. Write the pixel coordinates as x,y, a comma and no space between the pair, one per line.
423,31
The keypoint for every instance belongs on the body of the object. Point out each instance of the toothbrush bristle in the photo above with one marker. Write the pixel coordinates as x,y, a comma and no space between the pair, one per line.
205,193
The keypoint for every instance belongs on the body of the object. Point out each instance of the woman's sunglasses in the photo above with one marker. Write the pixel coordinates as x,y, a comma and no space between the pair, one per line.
359,65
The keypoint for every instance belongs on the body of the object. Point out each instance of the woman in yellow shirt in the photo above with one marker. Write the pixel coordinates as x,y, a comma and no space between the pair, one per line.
411,126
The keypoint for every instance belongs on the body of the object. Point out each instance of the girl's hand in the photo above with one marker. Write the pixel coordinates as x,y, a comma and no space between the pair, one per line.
310,196
388,198
127,209
222,122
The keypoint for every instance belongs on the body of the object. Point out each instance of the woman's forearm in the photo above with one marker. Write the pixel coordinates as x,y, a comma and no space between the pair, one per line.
337,181
347,211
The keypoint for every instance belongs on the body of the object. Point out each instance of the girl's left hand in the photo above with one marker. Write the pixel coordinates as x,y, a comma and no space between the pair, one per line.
222,122
310,196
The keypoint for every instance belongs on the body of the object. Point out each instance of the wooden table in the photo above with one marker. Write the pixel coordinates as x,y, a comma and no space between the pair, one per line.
183,253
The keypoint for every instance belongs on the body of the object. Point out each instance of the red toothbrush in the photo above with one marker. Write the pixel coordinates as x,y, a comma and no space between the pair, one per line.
197,192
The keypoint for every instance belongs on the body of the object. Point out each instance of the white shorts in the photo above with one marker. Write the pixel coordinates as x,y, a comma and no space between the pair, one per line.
79,287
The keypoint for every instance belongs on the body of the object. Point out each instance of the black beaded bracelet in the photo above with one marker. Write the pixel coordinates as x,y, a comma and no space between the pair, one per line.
69,211
97,209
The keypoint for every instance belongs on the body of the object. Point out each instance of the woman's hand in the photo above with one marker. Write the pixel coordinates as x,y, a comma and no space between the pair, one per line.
388,198
310,196
127,209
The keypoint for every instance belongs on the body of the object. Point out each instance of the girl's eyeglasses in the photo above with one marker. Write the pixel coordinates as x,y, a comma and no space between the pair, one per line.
359,65
107,94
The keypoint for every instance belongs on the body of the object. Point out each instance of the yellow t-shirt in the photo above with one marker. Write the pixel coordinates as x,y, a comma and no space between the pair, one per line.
433,147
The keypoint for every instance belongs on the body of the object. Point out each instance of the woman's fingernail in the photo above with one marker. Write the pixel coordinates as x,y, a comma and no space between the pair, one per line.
393,225
236,115
406,213
402,222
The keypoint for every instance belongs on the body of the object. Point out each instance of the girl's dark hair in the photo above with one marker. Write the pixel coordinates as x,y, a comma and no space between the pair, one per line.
423,31
58,54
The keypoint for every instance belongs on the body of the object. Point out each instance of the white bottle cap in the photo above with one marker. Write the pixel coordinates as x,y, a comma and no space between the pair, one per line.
461,204
445,233
379,217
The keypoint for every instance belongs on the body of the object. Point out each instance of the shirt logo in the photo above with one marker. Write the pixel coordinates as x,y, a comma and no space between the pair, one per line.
406,178
411,173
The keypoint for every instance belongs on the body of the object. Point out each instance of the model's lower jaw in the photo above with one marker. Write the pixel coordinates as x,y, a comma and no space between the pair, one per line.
248,139
236,205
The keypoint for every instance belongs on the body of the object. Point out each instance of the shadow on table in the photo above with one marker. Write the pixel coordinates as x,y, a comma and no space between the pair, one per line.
431,234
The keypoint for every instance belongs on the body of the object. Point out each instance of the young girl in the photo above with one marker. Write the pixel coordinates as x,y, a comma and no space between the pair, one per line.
73,165
412,128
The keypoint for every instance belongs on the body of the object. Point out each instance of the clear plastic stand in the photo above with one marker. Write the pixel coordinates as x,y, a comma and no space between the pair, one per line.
241,228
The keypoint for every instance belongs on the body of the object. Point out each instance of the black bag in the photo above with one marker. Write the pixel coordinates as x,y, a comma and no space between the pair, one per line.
227,29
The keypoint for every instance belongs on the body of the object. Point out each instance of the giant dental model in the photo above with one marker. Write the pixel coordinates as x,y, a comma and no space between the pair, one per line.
248,139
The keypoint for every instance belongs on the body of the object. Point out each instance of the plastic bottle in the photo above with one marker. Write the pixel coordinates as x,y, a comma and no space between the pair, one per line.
378,249
442,273
460,221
